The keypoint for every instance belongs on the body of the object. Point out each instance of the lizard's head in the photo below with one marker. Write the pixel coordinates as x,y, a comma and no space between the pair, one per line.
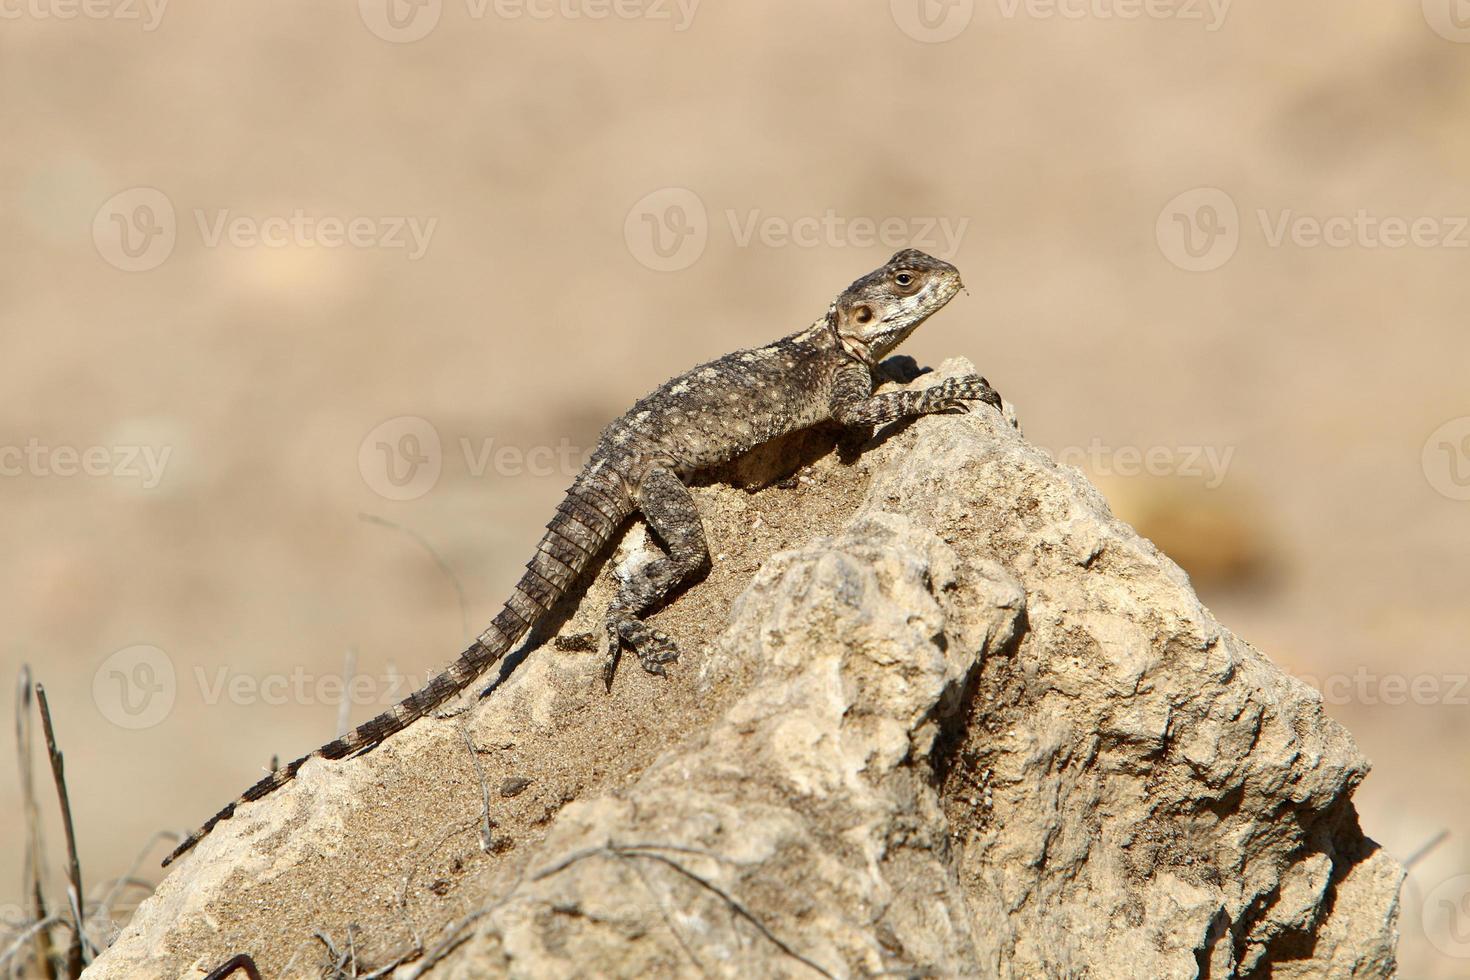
876,313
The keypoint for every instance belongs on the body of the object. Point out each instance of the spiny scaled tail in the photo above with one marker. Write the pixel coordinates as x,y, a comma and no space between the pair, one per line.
583,524
474,661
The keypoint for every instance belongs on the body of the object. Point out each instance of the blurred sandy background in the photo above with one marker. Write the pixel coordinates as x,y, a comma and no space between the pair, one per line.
602,202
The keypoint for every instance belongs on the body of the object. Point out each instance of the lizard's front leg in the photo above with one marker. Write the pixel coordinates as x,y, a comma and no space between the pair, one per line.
668,507
853,401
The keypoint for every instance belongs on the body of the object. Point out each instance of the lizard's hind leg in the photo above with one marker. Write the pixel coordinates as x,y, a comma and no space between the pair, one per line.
668,508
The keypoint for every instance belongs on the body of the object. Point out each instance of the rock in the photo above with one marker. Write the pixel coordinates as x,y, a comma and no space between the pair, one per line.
939,714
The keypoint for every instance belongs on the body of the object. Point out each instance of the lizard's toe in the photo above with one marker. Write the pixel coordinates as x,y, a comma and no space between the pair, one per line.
655,650
614,650
654,647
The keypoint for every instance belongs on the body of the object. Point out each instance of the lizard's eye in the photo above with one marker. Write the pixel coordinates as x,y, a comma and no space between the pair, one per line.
904,279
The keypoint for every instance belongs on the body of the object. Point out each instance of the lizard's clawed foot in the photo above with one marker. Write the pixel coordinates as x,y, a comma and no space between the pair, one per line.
654,647
954,395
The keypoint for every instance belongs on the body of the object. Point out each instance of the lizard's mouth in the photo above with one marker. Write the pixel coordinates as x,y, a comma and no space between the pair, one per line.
895,335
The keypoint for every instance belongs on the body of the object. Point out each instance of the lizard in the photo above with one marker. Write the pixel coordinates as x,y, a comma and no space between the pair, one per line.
700,419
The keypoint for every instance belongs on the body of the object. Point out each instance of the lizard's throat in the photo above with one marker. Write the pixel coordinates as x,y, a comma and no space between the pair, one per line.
871,349
855,348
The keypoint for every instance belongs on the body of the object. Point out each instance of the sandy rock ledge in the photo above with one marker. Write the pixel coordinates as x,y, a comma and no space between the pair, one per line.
938,714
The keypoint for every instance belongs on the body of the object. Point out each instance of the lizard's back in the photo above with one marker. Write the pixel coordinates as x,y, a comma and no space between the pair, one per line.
720,409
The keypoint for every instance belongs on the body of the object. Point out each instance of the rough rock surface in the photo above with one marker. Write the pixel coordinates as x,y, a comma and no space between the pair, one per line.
939,714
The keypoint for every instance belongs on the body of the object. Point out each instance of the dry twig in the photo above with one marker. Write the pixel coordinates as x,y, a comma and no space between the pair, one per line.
31,931
35,851
76,952
487,832
240,961
650,852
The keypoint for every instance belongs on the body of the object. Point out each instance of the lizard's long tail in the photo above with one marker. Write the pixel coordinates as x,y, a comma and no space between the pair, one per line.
584,523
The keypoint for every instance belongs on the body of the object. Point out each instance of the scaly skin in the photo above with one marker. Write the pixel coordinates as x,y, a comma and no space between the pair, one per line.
700,419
